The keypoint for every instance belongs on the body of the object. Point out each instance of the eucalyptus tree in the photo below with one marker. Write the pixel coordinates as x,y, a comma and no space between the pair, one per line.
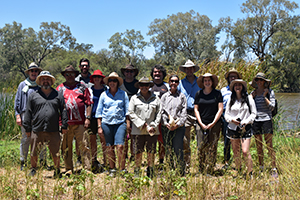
188,34
264,18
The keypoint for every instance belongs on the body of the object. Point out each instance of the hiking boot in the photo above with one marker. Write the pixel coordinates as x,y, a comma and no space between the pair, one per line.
57,173
137,172
97,167
150,172
23,165
78,162
43,164
32,172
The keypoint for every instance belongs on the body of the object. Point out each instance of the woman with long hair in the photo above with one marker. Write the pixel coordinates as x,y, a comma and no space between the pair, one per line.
208,107
240,114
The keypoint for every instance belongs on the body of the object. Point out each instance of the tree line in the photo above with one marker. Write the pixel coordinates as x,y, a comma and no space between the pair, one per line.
269,30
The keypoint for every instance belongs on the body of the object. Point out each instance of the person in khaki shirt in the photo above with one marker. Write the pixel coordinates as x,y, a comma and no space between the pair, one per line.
145,113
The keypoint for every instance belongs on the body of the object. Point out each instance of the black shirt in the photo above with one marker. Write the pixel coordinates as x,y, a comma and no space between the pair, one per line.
42,112
208,105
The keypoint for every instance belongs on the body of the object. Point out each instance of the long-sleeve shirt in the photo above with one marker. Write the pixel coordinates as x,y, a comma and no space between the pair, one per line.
226,94
42,112
189,90
143,111
239,110
113,109
21,98
264,111
174,105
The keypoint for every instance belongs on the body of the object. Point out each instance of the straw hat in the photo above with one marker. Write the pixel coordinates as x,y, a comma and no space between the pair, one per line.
233,70
44,73
214,77
33,66
96,73
113,75
262,76
144,80
238,81
70,68
130,67
189,63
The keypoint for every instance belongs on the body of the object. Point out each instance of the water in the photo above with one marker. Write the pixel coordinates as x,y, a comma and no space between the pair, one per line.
289,103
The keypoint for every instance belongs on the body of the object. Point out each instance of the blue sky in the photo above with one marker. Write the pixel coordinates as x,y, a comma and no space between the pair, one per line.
94,22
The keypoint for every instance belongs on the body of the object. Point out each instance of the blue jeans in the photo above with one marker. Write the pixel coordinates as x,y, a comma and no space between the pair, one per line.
173,141
114,134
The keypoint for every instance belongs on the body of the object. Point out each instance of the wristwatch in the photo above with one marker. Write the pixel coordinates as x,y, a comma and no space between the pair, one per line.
88,117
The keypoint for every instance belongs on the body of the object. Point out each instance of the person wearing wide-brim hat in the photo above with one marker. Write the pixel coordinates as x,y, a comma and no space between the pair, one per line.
42,124
25,88
188,86
240,114
111,114
130,68
70,69
208,108
145,124
264,98
231,75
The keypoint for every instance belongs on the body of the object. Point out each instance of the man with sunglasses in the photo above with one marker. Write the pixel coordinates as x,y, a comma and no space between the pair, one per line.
78,101
25,88
189,87
84,76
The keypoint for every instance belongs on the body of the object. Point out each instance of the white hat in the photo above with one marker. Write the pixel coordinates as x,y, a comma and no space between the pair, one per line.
44,73
189,63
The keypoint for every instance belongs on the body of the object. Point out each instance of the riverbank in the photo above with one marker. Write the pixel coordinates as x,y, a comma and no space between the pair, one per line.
223,185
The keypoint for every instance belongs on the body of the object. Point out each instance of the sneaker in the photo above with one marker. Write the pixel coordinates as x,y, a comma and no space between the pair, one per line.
225,167
112,173
97,167
22,165
274,173
32,172
57,173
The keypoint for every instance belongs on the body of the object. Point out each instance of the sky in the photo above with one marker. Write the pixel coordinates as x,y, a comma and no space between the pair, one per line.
95,21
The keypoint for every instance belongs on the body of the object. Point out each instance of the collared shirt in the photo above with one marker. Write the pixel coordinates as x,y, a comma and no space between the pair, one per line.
226,94
77,97
189,90
174,105
86,81
239,110
21,98
113,109
42,112
143,111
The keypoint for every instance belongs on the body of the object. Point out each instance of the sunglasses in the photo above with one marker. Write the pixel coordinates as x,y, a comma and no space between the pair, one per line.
34,70
70,74
258,79
144,84
84,65
97,76
174,81
113,80
129,71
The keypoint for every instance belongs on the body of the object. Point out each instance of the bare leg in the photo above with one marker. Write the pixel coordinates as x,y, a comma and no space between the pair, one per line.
138,160
93,144
121,156
259,146
236,152
111,157
269,142
150,159
247,156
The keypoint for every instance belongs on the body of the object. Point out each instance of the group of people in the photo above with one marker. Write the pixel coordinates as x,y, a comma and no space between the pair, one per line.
145,111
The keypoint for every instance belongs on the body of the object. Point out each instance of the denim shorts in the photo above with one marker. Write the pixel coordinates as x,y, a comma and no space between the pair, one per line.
114,134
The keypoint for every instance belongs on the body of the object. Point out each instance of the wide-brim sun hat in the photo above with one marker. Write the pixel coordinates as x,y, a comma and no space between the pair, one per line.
262,76
189,63
96,73
238,81
233,70
130,67
214,77
70,68
144,80
33,66
44,73
113,75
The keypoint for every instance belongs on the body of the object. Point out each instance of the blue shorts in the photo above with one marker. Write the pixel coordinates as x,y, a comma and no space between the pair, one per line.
114,134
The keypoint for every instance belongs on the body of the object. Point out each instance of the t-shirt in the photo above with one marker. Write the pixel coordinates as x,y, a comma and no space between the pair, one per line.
159,89
208,104
96,96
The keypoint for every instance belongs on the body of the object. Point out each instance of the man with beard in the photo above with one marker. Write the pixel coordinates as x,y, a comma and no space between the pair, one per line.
158,73
84,76
44,107
25,88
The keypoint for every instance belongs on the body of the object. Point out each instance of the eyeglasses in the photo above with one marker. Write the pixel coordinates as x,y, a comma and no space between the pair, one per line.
174,81
144,84
235,77
84,65
70,74
34,70
129,71
113,80
258,79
